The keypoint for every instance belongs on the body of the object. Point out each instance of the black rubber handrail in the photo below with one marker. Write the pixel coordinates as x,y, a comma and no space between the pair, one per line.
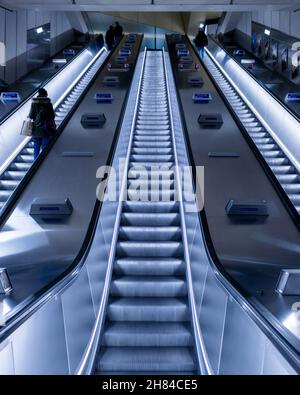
278,335
281,102
30,305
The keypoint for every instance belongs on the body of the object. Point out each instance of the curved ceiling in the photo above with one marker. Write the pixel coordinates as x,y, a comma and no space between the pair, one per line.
151,5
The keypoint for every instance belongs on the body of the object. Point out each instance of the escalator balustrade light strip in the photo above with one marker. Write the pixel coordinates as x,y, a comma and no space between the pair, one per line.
16,171
281,166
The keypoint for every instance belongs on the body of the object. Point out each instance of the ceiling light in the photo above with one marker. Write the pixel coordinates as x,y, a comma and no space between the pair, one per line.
267,32
39,30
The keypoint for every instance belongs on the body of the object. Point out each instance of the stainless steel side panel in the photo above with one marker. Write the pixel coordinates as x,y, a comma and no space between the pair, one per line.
39,344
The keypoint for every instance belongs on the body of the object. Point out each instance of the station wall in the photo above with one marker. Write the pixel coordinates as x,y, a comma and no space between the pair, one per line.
284,21
13,33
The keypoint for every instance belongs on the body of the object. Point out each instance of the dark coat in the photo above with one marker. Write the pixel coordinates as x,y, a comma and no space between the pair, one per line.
42,114
201,40
110,38
118,30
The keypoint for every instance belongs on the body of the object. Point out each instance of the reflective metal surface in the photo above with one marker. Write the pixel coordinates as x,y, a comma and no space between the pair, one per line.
36,252
242,341
252,252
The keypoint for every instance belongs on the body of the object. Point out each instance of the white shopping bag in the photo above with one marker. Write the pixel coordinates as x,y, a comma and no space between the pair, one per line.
27,127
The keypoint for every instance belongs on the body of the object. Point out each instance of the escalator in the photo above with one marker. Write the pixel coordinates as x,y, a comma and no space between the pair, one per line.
286,173
265,69
11,177
148,325
145,295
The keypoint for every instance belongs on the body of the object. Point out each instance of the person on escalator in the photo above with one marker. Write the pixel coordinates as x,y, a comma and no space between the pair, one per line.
118,30
43,117
110,38
99,41
201,42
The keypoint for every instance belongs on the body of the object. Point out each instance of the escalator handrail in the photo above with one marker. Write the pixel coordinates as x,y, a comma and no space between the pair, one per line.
70,275
281,102
272,329
43,84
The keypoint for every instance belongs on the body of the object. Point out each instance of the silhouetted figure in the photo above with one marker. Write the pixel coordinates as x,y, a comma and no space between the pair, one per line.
99,41
201,42
110,38
43,116
118,30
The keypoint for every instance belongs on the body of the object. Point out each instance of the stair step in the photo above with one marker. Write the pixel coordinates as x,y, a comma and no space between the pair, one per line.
262,140
146,359
27,151
295,198
152,150
159,195
277,161
8,185
151,132
149,137
4,195
150,233
166,249
151,174
149,267
148,286
288,178
151,158
267,147
285,169
13,175
149,334
150,219
291,188
148,309
258,135
272,154
20,166
151,207
152,144
151,165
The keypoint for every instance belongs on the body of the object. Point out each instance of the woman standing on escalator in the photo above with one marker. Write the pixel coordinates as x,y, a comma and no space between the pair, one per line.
43,116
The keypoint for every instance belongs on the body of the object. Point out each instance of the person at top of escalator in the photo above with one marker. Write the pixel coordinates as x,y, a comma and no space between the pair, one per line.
43,116
99,41
110,38
201,42
118,30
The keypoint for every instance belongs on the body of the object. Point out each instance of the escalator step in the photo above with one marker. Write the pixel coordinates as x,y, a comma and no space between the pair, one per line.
146,359
149,334
150,219
147,286
151,207
150,249
148,309
150,233
8,185
149,267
